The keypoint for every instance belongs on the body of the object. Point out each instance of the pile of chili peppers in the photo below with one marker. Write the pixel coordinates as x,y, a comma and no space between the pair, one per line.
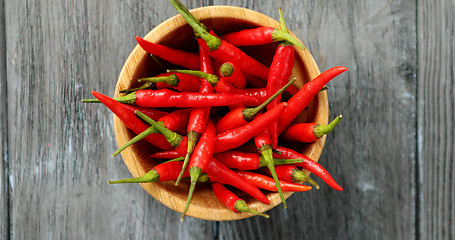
213,125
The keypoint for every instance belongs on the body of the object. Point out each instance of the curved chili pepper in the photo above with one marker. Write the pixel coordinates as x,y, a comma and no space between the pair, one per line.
309,132
169,98
308,164
260,36
200,159
248,161
152,113
176,56
267,183
132,122
219,84
291,173
174,121
280,71
160,173
218,172
241,115
264,144
232,74
181,82
177,141
221,50
199,115
232,201
235,137
301,99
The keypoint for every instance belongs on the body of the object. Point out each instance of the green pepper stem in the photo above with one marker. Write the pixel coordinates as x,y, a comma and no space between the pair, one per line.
174,160
127,99
172,80
158,62
249,113
321,130
192,139
195,172
266,151
298,175
282,21
136,139
211,78
172,137
226,69
151,176
147,85
241,206
279,161
212,42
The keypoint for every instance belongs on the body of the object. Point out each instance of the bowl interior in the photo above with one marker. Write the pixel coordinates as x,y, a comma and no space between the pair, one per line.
174,32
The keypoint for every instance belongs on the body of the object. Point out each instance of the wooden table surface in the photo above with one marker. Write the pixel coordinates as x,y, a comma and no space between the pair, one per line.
393,151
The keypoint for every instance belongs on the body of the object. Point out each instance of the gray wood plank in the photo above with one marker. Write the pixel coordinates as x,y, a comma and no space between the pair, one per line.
58,51
4,182
372,153
436,116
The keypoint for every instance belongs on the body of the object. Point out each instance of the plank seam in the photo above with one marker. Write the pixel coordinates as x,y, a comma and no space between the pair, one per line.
4,129
418,160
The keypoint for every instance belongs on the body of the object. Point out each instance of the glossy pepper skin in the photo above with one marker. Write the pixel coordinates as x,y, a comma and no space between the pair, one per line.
232,201
200,159
300,100
132,122
160,173
199,115
235,137
267,183
280,72
221,50
185,59
308,164
218,172
309,132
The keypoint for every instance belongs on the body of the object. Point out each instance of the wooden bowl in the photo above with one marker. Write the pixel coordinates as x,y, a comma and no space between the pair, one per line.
175,32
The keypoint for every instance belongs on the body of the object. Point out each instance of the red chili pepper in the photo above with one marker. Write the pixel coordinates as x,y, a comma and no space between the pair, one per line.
241,115
169,98
248,161
160,173
219,84
309,132
267,183
264,144
174,121
132,122
260,36
177,141
150,112
232,74
181,82
218,172
280,71
221,50
308,164
235,137
170,154
301,99
199,115
232,201
200,159
185,59
291,173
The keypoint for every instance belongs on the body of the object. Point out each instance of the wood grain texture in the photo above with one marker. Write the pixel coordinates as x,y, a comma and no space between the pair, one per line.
397,125
375,142
4,169
60,148
436,98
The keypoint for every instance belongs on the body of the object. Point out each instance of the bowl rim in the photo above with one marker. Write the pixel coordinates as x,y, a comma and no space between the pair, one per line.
158,190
